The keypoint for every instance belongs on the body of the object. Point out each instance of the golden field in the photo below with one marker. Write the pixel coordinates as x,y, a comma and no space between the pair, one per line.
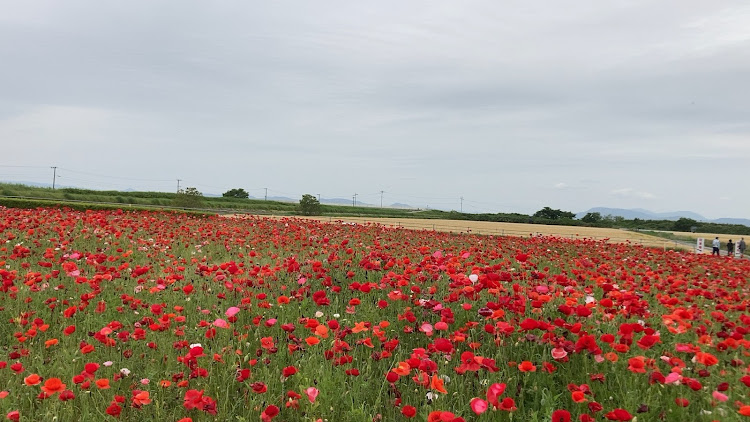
710,236
512,229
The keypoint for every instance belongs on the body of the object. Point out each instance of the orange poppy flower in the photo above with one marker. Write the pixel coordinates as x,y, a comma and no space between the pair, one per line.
267,342
578,396
140,398
52,386
402,369
526,366
322,331
706,358
437,384
32,379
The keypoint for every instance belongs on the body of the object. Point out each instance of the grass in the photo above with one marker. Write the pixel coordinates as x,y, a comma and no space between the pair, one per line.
164,199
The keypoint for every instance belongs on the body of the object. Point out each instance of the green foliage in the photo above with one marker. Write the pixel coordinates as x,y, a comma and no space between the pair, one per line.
188,198
592,217
615,219
309,205
236,193
79,206
548,213
684,224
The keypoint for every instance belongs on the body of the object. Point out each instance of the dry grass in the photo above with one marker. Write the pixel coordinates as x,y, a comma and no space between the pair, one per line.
514,229
709,236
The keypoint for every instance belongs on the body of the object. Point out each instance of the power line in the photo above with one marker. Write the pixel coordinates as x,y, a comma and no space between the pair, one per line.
114,177
27,167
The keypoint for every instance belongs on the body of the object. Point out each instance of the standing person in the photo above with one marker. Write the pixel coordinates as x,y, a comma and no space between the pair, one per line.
730,248
741,247
716,245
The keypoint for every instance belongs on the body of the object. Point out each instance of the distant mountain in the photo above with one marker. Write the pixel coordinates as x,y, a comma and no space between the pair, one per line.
676,215
643,214
400,205
743,221
343,201
281,199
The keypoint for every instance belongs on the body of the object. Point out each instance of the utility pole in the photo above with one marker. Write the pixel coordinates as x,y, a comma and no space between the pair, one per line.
265,198
381,199
318,197
462,204
178,185
354,200
54,176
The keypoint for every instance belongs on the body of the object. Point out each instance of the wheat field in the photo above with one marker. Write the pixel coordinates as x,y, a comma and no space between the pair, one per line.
512,229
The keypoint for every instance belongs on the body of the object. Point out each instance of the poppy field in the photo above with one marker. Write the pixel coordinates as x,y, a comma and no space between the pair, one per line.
139,316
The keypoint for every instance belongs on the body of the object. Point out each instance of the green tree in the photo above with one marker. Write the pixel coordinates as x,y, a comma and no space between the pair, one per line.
616,220
309,205
188,198
684,224
592,217
236,193
550,214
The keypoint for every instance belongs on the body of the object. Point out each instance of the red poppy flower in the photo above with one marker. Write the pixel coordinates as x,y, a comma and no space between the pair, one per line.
409,411
619,415
682,402
560,415
289,371
494,392
114,409
508,404
478,405
66,395
269,413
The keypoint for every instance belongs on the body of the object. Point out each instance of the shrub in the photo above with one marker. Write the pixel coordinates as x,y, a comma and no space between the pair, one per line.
309,205
188,198
236,193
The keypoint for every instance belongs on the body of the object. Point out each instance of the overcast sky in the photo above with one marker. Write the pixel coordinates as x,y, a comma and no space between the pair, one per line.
512,105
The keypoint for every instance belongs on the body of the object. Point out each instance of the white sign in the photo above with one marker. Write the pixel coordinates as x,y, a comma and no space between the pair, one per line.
699,245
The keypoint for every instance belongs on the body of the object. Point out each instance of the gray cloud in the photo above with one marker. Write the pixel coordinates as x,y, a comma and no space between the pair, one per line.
496,102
